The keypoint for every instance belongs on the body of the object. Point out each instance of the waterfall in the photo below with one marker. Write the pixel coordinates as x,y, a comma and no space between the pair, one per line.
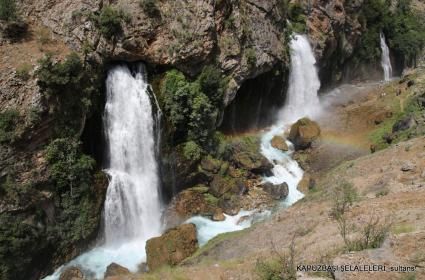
301,101
132,207
304,83
385,59
132,210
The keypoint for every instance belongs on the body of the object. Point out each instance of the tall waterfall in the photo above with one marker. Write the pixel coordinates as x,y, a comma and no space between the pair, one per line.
304,83
132,206
301,101
385,59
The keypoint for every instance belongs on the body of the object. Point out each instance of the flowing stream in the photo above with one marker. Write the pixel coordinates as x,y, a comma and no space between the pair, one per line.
302,100
385,59
132,211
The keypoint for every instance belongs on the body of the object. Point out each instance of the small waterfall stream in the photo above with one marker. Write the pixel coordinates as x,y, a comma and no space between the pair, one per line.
301,101
132,211
385,59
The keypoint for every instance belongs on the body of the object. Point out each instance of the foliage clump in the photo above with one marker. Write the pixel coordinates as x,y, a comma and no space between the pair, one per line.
8,121
68,166
70,86
150,8
192,107
8,10
370,234
281,267
110,21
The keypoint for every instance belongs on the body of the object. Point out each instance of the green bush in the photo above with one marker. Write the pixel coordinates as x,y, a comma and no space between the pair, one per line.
192,107
213,84
280,267
8,11
8,121
68,166
192,151
250,57
150,8
109,22
70,86
344,195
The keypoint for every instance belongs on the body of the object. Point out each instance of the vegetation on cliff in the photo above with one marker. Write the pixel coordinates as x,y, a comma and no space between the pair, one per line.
403,29
48,216
193,107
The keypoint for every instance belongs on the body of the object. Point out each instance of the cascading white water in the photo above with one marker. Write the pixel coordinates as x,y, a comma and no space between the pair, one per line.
132,211
132,207
385,59
301,101
304,83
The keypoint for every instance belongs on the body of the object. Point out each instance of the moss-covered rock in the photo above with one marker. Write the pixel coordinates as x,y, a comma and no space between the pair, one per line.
115,269
245,153
172,247
278,142
303,133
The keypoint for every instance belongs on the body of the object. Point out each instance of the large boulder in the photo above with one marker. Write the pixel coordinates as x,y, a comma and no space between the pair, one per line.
303,133
277,192
278,142
72,273
224,184
193,201
172,247
405,123
115,269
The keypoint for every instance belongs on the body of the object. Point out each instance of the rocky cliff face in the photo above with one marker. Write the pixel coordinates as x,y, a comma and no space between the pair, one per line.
245,38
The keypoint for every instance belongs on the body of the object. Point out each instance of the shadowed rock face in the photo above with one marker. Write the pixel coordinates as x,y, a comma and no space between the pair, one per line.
172,247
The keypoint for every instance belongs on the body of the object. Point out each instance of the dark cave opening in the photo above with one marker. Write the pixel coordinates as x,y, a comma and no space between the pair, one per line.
256,103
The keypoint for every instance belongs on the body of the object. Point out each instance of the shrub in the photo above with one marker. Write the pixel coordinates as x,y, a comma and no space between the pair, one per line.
109,22
188,108
344,196
250,57
8,11
282,267
8,121
371,235
70,88
68,166
23,71
150,8
43,35
192,151
212,84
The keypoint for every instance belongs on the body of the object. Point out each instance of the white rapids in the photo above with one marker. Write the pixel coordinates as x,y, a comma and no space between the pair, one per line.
132,211
302,101
385,59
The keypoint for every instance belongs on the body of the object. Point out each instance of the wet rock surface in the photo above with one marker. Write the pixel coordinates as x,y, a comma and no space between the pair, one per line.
172,247
303,133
